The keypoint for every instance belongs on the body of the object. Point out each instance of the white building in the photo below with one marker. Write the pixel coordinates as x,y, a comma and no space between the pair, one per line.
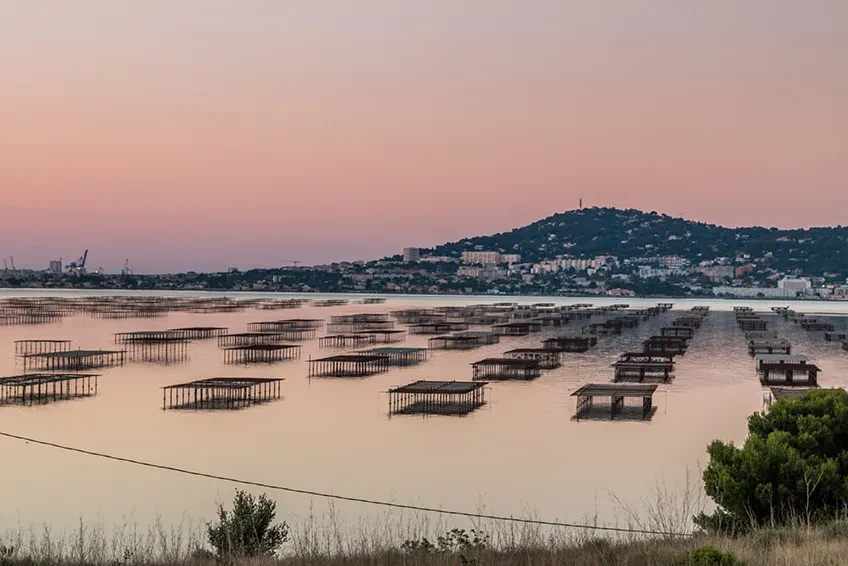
673,262
483,258
411,254
480,272
795,285
563,264
55,266
647,272
762,292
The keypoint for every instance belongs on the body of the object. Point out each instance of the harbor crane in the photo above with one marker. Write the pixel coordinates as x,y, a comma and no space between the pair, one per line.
78,265
127,270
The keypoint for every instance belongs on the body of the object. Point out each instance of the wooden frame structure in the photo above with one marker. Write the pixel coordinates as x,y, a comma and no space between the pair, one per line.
250,339
753,323
617,406
221,393
686,332
548,358
342,327
39,388
522,328
601,329
418,316
346,340
442,327
75,360
279,304
506,369
171,351
641,367
817,326
400,357
24,347
437,397
666,344
463,340
832,336
261,353
760,359
330,302
38,317
766,346
285,324
385,336
199,332
576,344
349,365
787,374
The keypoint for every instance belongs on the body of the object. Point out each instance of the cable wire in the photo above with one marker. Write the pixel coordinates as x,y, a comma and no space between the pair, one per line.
338,497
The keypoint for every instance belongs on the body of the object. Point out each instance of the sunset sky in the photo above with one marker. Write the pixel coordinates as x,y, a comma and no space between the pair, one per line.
202,134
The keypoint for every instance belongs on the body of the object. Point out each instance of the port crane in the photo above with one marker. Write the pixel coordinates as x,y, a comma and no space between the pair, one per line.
127,270
78,265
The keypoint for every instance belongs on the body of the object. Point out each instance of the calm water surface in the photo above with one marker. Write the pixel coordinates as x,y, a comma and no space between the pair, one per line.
522,451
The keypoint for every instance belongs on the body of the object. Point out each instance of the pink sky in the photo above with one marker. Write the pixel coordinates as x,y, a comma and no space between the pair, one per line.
202,134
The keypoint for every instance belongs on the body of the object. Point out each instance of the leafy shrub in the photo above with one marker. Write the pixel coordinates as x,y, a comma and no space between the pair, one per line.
793,466
453,541
247,530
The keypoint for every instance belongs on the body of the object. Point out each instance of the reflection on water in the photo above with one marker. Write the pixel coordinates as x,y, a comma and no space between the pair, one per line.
519,450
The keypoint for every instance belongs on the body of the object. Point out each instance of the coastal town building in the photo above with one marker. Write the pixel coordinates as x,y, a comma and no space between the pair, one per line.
717,272
489,258
647,271
802,286
483,258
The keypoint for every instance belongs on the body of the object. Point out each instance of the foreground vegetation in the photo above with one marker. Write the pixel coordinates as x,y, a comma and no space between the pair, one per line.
823,545
781,498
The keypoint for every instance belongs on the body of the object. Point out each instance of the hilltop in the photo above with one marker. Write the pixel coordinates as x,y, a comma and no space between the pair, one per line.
593,251
630,234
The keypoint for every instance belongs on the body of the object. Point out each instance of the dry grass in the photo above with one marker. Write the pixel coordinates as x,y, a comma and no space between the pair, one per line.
376,545
325,539
787,549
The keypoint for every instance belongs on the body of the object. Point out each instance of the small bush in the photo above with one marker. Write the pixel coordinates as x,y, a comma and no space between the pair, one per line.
453,541
247,530
711,556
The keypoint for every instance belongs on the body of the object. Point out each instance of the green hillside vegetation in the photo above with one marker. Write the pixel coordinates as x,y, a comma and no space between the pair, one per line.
632,233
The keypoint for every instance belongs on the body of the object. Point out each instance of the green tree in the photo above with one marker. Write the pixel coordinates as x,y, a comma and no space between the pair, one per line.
247,530
793,466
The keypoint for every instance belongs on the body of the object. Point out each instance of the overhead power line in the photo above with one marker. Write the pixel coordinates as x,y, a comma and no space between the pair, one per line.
338,497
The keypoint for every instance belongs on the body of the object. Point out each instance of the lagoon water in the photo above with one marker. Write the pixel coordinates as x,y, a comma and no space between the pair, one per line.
520,453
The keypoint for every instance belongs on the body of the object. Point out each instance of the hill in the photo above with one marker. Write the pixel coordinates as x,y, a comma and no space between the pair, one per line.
630,234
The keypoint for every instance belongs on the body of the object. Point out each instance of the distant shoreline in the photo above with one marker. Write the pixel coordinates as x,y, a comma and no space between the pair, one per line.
497,297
